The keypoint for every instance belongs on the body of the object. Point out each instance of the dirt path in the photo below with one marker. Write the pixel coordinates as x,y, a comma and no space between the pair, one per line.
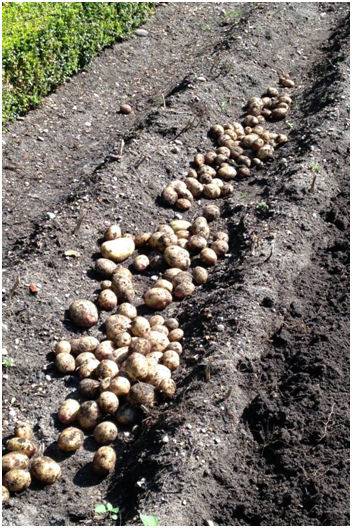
273,449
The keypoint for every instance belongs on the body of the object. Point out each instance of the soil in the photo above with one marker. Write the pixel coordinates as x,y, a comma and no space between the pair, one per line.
258,433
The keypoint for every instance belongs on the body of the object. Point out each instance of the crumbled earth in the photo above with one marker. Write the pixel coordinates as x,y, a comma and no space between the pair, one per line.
258,433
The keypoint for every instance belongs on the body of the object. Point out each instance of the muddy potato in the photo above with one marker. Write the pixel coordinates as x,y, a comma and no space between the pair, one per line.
108,402
184,276
45,469
136,366
107,368
23,430
183,204
123,288
128,310
163,283
211,212
176,346
221,235
105,267
107,300
83,344
127,416
282,138
171,273
104,460
141,345
161,328
17,480
285,80
123,340
196,243
177,257
167,387
278,113
89,387
158,340
89,414
158,298
105,285
105,350
156,320
158,373
220,247
171,323
70,439
227,189
182,242
251,120
120,386
176,334
142,394
120,354
169,195
82,358
68,411
200,227
14,460
208,257
171,359
122,273
155,356
177,225
194,186
87,368
5,494
83,313
116,324
140,327
112,232
141,239
265,152
141,263
184,289
205,178
105,432
65,363
62,347
200,275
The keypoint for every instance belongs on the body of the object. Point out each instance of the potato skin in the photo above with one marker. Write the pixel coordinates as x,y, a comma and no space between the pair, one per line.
22,445
104,460
17,480
70,439
45,469
14,460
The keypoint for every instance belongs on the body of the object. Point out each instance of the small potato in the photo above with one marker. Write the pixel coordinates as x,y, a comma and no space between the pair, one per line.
183,204
221,235
142,394
82,358
116,324
161,328
23,430
104,460
208,257
227,189
200,227
141,239
107,300
89,414
220,247
141,263
286,81
65,363
155,356
170,273
163,283
89,387
156,320
62,347
282,138
105,267
184,276
120,354
171,359
184,289
140,327
105,350
83,344
167,387
14,460
216,130
105,285
194,186
107,369
5,494
123,288
128,310
158,298
172,323
108,402
83,313
122,340
17,480
141,345
211,212
68,411
169,195
177,225
176,346
200,275
112,232
205,178
45,469
265,152
196,243
87,368
136,366
158,340
209,157
177,257
277,114
127,415
198,160
176,334
70,439
105,433
226,172
122,273
211,190
120,386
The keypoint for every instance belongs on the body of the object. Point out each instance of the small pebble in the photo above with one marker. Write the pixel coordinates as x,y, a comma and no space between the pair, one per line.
141,32
125,109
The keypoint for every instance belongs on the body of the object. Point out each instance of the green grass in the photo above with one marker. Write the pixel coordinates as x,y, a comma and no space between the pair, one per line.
45,43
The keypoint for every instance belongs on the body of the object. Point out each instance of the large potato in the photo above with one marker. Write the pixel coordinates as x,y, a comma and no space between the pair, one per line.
87,368
83,313
118,249
107,300
68,411
140,327
128,310
107,369
142,394
17,480
158,298
70,439
14,460
22,445
136,366
177,257
104,460
123,288
105,267
159,373
45,469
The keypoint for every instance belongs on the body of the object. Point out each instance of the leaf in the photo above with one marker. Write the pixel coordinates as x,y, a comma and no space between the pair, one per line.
149,520
109,507
116,510
100,508
114,517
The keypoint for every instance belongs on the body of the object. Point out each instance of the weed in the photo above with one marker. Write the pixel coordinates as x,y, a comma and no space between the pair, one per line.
315,167
289,124
8,362
149,520
107,510
233,14
262,207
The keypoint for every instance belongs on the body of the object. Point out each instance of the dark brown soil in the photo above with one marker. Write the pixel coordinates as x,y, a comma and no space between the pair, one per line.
259,431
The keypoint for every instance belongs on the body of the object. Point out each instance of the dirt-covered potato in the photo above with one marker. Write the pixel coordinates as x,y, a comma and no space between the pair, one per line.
184,276
62,346
122,273
105,267
208,257
163,283
172,323
127,415
141,345
194,186
184,289
158,298
141,239
176,334
196,243
120,386
158,340
105,432
14,460
108,402
211,191
182,242
105,285
65,363
128,310
87,368
156,320
140,327
161,328
286,81
120,354
83,344
82,358
105,350
136,366
71,439
211,212
68,411
5,494
158,373
200,275
176,346
177,225
177,257
112,232
107,368
200,227
265,152
171,359
226,172
227,189
183,204
220,247
45,469
123,288
89,414
107,300
22,445
116,324
142,394
118,249
104,460
170,273
155,356
167,387
169,195
23,430
89,387
141,263
123,340
83,313
17,480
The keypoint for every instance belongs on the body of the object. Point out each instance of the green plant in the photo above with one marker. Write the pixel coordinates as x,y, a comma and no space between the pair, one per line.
315,167
108,510
8,362
149,520
233,14
262,207
289,124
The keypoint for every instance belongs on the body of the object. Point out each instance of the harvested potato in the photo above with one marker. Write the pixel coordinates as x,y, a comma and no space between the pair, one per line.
14,460
140,327
184,289
182,234
182,242
169,195
158,298
68,411
177,257
107,368
161,328
170,273
265,152
158,340
142,394
105,432
286,81
155,356
83,344
183,204
141,345
120,354
45,469
17,480
183,276
127,415
62,347
220,247
116,324
156,320
105,285
104,460
172,323
107,300
141,239
171,359
89,414
123,340
105,267
82,358
65,363
176,334
176,346
105,350
177,225
89,387
118,249
196,243
227,189
23,430
87,368
120,386
205,178
211,212
83,313
136,366
5,494
221,235
216,130
71,439
200,275
277,114
226,172
141,263
108,402
112,232
211,190
128,310
158,373
163,283
194,186
122,273
123,288
208,257
167,387
200,227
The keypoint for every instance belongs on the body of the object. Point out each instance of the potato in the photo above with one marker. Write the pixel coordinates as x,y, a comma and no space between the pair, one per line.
200,227
142,394
211,212
158,340
216,130
104,460
163,283
107,300
176,346
126,416
205,178
209,157
161,328
65,363
182,234
159,373
208,257
120,386
227,189
282,138
82,358
68,411
5,494
136,366
123,340
176,334
141,345
258,163
120,354
198,160
83,313
108,402
105,433
171,359
177,225
106,369
62,347
220,247
183,204
177,257
122,273
194,186
158,298
87,368
155,356
83,344
286,81
226,172
196,243
17,480
141,239
278,113
45,469
123,288
200,275
156,320
182,242
118,249
105,350
105,267
23,430
70,439
89,387
14,460
128,310
265,152
167,387
184,276
116,324
140,327
112,232
170,273
171,323
184,289
89,414
105,285
141,263
221,235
